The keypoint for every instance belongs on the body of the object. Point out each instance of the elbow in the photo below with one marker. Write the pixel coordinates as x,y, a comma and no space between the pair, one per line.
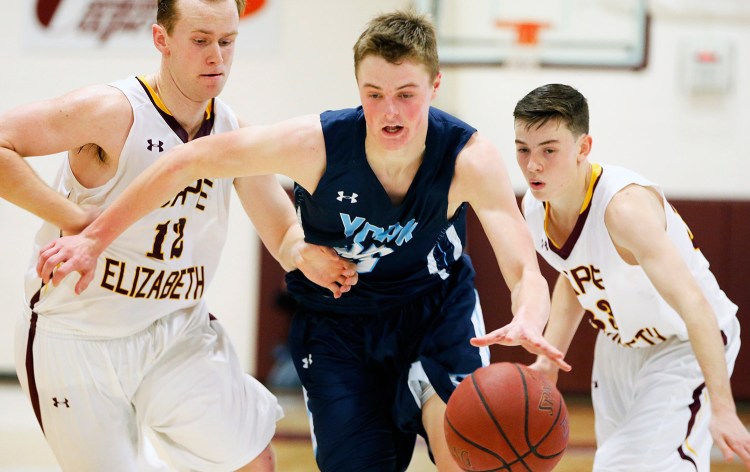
185,163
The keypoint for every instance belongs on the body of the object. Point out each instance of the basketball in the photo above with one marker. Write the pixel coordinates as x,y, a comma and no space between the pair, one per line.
506,417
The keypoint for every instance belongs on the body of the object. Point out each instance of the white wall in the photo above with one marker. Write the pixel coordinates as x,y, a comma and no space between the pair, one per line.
692,145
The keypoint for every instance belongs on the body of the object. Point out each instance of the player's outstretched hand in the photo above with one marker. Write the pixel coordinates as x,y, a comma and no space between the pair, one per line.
66,255
326,268
731,436
519,333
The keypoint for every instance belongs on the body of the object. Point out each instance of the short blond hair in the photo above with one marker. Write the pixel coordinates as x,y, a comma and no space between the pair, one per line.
398,36
167,13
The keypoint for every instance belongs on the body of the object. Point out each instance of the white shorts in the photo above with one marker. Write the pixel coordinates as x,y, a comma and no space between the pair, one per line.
180,379
651,406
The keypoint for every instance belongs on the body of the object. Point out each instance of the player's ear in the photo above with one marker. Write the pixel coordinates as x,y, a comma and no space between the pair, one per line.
159,35
584,147
436,84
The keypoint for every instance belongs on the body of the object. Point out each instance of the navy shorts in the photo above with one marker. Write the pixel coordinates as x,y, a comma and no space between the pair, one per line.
356,372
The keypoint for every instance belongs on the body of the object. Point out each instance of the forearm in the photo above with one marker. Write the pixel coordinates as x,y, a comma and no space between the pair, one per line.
268,206
288,253
22,187
565,316
150,190
562,327
705,338
530,298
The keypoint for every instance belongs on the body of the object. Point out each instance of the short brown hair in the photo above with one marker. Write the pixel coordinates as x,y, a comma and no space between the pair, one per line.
554,102
398,36
167,13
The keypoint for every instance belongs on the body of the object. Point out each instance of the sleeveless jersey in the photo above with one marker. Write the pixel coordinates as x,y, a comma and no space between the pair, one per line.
165,261
401,250
618,297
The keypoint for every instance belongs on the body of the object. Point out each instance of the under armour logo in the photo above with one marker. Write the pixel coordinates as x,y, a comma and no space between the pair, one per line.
352,198
307,361
56,403
545,245
159,146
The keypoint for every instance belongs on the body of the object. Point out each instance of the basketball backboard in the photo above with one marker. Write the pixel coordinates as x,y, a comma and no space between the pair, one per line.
557,33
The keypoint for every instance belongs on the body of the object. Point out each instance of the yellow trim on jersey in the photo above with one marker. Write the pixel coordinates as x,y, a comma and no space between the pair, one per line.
596,171
546,221
157,99
155,96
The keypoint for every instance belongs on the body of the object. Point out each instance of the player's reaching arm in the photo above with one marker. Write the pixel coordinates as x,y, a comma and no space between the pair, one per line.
68,123
294,148
636,222
269,208
481,180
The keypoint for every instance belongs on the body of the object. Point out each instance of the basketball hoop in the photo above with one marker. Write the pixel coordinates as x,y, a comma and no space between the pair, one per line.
525,51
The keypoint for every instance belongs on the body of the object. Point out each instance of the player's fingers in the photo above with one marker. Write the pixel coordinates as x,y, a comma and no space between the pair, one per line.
48,269
347,281
350,268
495,337
335,290
549,350
726,451
84,282
61,272
564,366
352,277
742,449
341,280
44,255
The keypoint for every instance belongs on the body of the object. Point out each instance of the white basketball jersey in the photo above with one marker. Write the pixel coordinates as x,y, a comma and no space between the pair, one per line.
619,297
165,261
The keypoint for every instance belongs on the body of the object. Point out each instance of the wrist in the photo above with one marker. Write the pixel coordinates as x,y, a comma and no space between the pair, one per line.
722,406
292,258
98,238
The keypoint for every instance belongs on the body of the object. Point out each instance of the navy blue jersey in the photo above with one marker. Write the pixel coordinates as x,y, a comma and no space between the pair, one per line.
401,250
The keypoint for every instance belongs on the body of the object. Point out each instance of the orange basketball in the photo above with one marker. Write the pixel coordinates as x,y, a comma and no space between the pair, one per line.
506,417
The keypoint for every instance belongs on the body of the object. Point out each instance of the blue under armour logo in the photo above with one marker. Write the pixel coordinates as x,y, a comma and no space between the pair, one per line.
352,198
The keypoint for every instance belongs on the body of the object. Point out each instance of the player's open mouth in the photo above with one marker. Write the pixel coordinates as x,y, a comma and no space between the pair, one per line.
392,129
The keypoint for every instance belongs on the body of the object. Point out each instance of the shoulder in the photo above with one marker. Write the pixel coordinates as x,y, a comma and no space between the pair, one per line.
477,156
304,128
96,100
631,207
99,102
479,171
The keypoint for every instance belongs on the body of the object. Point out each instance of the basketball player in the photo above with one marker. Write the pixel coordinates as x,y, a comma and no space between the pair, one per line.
385,184
140,349
668,334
